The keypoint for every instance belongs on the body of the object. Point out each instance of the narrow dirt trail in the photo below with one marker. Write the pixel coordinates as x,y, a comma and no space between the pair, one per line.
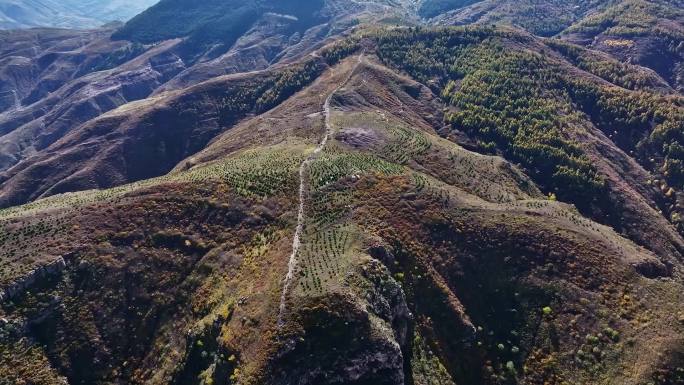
296,240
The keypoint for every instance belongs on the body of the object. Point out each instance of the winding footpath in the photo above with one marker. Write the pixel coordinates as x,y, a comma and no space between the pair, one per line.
296,240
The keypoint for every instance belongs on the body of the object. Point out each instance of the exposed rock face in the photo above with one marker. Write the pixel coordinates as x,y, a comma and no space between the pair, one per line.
34,277
377,327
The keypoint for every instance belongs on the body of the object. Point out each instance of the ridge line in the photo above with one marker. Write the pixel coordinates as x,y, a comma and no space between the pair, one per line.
296,240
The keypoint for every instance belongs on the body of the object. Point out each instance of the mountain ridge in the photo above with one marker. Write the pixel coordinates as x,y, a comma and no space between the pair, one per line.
375,198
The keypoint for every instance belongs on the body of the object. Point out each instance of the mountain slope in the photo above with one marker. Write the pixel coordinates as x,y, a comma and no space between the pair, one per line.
645,32
419,260
352,200
215,20
52,83
650,34
16,14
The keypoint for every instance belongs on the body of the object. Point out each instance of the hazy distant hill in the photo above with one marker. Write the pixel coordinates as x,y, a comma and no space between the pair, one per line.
67,13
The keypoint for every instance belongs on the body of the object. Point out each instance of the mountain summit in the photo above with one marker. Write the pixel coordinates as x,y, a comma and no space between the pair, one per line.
346,192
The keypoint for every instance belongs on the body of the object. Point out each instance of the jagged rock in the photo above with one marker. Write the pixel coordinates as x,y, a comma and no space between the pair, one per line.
19,286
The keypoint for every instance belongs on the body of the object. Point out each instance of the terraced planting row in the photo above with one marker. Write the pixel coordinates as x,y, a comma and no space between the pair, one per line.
328,206
258,173
254,173
334,165
18,238
27,231
473,173
324,256
446,195
23,240
405,145
327,244
551,209
328,241
401,143
433,189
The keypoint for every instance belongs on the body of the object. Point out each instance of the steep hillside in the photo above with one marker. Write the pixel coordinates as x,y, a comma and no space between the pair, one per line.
148,138
645,32
262,192
344,237
650,34
220,20
53,81
78,14
543,18
559,123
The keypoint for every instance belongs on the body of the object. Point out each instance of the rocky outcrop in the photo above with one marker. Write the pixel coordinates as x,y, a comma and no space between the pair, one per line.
367,336
34,277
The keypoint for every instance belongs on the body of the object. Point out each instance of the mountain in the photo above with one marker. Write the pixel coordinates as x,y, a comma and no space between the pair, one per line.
51,85
80,14
341,193
644,32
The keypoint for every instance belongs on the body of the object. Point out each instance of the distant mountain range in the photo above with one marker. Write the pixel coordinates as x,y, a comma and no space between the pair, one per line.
78,14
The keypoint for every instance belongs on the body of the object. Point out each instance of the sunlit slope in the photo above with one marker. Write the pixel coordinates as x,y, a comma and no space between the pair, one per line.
420,261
